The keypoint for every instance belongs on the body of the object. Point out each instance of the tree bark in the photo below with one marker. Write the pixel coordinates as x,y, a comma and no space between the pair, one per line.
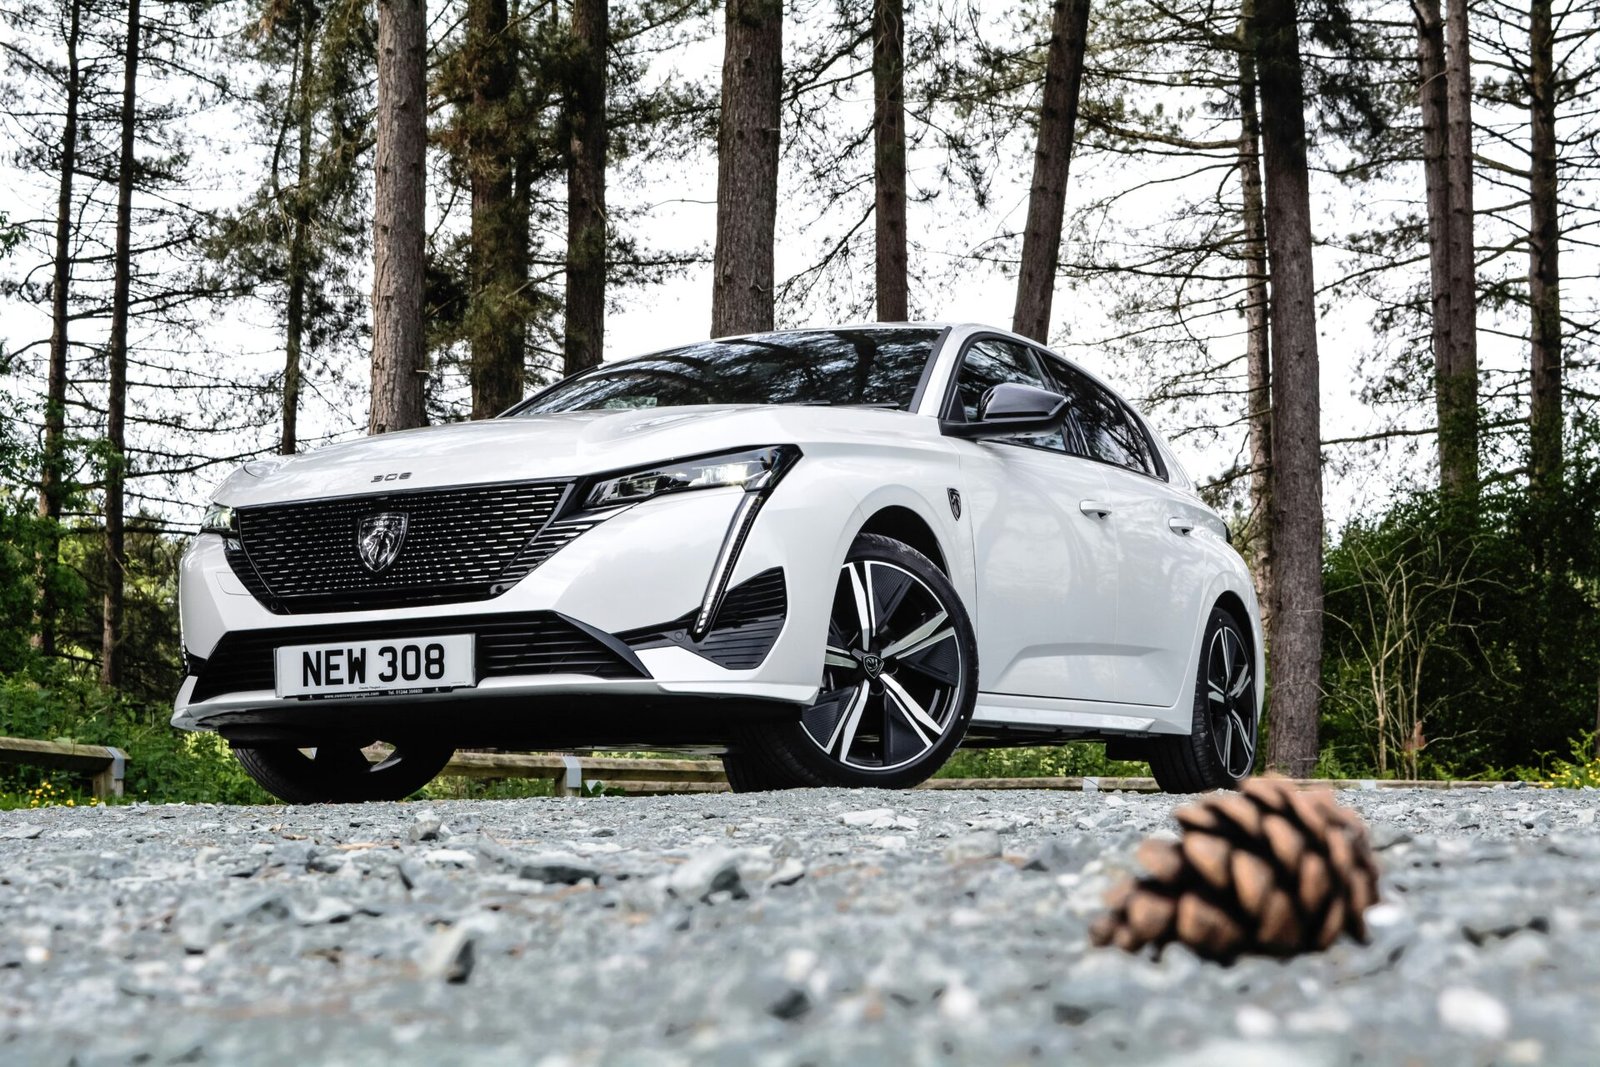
889,172
743,285
398,355
117,366
1296,638
586,187
52,473
1047,199
1458,433
296,312
1258,358
495,325
1544,246
1434,104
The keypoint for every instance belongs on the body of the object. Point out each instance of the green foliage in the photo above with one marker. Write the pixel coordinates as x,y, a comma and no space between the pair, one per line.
1580,769
1073,760
49,793
1481,631
53,703
450,787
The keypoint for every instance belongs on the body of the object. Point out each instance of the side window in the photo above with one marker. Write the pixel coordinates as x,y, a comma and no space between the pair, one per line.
991,362
1106,429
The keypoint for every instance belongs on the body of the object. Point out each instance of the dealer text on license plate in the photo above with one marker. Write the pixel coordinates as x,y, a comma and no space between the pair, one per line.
376,666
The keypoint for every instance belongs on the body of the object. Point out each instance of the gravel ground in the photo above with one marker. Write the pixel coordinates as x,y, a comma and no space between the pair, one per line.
823,927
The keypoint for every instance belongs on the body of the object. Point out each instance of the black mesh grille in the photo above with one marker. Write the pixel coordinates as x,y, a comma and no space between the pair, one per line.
534,643
460,544
743,632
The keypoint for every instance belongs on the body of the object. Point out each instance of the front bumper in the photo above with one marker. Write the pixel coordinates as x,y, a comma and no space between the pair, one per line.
603,618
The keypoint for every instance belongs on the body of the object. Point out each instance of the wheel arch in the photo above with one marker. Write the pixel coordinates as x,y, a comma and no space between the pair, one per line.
1235,606
909,528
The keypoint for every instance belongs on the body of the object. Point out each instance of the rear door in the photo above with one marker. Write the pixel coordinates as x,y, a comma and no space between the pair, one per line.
1046,559
1162,567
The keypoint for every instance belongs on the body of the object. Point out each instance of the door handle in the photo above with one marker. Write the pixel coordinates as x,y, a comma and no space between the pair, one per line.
1095,509
1182,527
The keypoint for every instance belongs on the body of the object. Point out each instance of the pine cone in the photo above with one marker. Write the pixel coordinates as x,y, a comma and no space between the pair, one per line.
1271,869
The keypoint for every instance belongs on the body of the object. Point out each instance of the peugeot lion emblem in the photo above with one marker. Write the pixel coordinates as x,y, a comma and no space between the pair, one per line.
378,539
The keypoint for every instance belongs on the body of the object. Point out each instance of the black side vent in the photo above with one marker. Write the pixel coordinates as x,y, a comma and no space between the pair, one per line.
744,631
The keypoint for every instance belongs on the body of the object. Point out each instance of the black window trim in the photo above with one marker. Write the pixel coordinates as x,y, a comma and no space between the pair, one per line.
951,409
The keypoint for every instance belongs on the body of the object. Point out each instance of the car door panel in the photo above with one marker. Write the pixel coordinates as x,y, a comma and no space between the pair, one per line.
1046,573
1045,557
1163,573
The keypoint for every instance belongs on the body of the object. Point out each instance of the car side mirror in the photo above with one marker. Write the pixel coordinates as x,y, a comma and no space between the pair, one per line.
1011,409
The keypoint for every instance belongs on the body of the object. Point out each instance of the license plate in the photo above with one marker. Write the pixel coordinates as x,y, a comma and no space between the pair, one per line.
382,666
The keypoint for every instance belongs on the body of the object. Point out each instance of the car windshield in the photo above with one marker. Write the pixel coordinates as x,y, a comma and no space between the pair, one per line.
876,366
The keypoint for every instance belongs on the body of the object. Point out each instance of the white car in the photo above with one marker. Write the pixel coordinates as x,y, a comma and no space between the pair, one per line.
832,554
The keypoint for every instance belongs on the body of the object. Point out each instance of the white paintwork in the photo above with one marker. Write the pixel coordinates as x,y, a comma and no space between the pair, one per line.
1085,620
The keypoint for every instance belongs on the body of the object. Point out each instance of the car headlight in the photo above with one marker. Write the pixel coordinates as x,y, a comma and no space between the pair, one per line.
220,518
752,470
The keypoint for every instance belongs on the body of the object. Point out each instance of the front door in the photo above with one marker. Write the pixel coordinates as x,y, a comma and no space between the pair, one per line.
1045,555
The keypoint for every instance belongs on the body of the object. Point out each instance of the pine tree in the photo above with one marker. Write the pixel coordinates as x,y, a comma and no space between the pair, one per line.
398,363
743,287
889,157
1058,120
1296,488
587,144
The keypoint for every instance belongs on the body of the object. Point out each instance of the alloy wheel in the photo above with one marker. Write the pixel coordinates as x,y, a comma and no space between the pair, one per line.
1231,702
893,670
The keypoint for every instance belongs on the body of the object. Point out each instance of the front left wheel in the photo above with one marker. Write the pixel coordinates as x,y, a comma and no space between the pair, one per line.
339,772
900,678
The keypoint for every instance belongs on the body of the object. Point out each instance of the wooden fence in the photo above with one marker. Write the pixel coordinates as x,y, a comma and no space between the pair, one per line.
104,766
570,774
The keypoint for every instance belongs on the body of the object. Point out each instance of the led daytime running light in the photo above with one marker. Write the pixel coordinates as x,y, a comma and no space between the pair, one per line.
751,470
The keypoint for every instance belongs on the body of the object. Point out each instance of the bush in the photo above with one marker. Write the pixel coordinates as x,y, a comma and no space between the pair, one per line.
1456,644
1077,759
53,703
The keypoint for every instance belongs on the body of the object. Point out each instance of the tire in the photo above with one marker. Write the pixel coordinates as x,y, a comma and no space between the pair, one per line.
899,683
339,773
1213,756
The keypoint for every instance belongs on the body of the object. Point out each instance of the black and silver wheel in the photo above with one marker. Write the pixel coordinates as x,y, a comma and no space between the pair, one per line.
900,678
339,772
1220,750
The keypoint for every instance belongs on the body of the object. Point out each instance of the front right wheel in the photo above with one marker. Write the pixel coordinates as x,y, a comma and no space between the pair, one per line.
900,678
1220,750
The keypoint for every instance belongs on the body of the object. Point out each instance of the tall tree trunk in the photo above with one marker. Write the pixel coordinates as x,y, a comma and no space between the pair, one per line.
1296,413
53,473
1458,433
1258,351
743,286
1544,246
495,325
117,366
889,172
296,312
586,187
1047,200
399,369
1434,104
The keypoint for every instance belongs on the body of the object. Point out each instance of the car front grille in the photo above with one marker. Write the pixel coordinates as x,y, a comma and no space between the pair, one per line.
461,544
540,642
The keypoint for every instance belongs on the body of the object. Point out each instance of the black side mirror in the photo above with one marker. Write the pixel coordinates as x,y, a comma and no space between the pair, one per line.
1012,410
